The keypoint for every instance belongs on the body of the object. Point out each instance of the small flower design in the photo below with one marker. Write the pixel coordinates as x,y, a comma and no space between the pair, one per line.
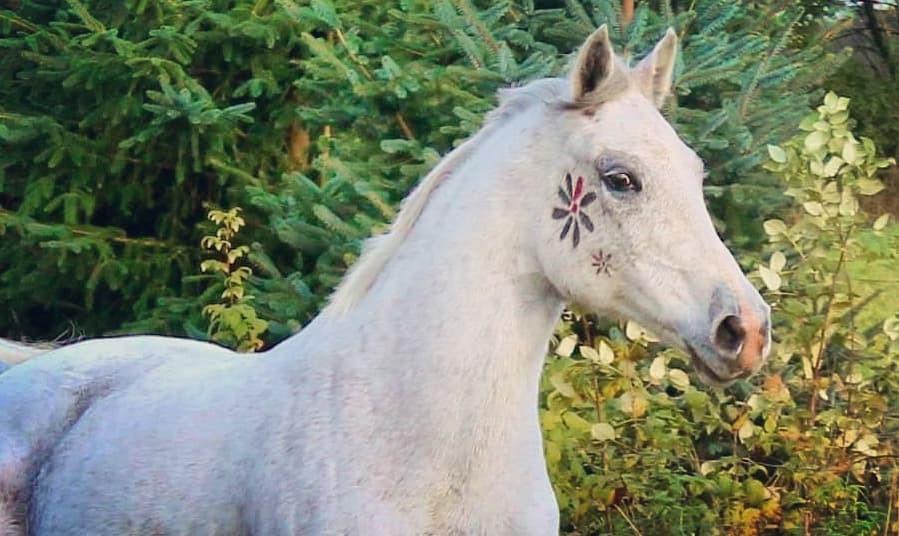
575,199
601,263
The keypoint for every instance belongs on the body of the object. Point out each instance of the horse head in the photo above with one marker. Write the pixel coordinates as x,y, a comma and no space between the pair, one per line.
621,222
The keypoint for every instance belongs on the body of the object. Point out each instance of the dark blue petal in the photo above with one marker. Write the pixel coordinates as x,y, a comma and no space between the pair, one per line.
565,228
588,223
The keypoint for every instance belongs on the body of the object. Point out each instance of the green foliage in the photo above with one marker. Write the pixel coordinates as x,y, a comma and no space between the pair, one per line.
878,116
872,79
633,445
120,120
233,322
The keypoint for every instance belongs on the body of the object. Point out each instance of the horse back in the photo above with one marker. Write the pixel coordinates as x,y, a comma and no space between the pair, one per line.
42,399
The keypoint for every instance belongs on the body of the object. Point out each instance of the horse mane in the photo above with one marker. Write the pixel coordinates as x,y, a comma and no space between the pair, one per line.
378,250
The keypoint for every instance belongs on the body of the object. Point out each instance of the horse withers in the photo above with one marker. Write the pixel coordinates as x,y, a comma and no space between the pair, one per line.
409,405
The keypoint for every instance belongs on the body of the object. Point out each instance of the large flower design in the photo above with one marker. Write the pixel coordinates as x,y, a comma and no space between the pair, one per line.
575,200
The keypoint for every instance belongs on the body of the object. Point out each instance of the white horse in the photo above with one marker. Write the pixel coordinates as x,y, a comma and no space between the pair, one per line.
409,406
12,353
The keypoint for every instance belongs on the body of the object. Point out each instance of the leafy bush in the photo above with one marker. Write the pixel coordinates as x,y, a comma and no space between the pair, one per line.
633,445
879,117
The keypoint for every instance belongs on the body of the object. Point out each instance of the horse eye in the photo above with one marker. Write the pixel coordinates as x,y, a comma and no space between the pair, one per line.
621,181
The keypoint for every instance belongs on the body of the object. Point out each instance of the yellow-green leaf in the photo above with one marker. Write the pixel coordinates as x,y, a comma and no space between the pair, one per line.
566,346
770,277
606,355
563,387
707,467
775,227
576,422
867,445
850,152
815,167
869,186
808,122
602,431
839,118
590,353
746,431
848,204
679,379
881,222
777,154
815,140
813,207
657,369
635,331
778,261
832,166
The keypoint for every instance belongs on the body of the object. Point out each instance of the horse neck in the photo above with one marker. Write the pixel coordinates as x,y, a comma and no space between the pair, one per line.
455,328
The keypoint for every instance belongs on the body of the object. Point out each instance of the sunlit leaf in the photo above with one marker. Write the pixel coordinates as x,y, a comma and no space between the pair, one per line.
602,431
870,186
679,379
771,278
816,140
778,261
657,369
850,153
777,154
813,207
746,430
775,227
590,353
606,355
566,346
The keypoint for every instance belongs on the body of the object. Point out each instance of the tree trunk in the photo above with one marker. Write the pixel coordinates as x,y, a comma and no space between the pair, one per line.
877,36
627,12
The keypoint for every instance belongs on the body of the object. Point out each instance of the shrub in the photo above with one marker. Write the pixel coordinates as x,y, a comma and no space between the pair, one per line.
233,321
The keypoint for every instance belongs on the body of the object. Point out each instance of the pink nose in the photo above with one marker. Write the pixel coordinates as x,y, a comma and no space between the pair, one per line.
744,338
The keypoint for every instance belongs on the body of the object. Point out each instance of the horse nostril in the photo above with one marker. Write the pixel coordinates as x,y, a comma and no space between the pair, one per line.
729,335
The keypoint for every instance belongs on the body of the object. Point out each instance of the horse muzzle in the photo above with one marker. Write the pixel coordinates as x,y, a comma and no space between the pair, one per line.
737,341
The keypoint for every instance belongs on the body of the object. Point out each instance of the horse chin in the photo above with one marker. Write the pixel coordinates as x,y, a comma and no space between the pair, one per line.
705,372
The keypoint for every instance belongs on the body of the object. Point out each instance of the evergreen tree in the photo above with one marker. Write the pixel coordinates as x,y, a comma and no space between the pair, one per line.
123,122
119,122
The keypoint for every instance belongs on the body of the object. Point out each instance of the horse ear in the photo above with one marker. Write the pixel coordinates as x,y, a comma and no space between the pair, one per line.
654,72
594,64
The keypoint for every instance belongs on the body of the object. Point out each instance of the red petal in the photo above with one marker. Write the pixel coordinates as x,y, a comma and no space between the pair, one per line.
578,188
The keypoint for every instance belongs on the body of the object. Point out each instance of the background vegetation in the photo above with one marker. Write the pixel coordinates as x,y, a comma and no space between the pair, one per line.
124,123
